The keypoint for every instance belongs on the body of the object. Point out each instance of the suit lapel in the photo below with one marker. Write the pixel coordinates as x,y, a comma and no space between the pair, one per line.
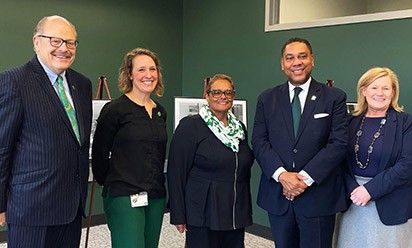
76,101
284,102
44,83
388,139
354,124
311,100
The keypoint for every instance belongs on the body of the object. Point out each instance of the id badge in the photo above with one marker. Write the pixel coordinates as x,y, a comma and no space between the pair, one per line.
139,200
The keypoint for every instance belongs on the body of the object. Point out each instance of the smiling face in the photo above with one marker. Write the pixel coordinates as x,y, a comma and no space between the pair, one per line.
144,74
58,59
297,63
220,105
378,96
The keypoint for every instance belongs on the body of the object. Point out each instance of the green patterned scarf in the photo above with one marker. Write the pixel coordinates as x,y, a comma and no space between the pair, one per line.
229,135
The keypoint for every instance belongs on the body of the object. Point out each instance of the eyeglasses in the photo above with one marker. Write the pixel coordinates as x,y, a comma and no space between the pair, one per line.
57,42
230,94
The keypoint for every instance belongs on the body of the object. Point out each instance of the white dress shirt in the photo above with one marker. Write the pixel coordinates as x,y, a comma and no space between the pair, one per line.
302,97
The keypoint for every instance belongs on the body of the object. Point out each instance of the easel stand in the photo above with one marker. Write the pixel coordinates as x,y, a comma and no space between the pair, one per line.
99,91
102,84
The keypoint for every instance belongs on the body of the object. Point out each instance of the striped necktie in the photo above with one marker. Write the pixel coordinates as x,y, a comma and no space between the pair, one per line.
68,107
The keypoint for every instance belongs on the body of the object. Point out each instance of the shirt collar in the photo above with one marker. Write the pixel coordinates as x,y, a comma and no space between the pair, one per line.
304,87
52,76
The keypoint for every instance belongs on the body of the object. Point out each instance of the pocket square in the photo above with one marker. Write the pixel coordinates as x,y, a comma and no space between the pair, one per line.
320,115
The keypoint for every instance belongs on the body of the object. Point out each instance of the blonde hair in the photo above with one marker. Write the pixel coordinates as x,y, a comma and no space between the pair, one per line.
369,77
125,71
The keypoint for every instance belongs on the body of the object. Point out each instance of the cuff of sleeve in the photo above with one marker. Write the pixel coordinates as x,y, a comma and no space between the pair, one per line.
277,173
309,179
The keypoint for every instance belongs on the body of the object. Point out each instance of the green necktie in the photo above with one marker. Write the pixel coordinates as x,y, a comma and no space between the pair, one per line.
68,107
296,109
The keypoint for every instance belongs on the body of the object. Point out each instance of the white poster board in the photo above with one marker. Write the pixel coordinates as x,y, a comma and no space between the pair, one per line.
185,106
351,107
97,107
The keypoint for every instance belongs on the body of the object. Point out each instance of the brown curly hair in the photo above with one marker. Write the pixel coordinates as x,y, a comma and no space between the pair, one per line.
125,71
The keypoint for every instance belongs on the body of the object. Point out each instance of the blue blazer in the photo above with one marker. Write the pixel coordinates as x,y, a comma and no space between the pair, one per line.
319,148
391,188
43,169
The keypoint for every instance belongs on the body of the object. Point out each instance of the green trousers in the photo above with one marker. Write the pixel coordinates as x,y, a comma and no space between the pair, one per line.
134,227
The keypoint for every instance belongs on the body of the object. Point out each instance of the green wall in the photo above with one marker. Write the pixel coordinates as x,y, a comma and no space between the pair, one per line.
196,39
106,30
228,37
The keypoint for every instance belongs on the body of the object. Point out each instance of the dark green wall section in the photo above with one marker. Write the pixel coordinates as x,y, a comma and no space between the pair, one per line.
106,30
209,37
228,37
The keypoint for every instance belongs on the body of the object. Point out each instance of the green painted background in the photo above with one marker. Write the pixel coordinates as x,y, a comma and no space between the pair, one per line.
228,37
195,39
106,30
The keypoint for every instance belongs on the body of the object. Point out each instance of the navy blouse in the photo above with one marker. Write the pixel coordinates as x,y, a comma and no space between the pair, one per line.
370,126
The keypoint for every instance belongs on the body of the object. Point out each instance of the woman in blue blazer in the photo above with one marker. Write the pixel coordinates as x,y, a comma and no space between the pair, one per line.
379,168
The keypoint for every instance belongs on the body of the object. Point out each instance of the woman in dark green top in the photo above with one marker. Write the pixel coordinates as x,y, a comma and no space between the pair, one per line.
128,155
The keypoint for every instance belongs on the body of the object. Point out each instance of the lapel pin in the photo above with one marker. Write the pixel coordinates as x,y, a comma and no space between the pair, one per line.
159,114
313,98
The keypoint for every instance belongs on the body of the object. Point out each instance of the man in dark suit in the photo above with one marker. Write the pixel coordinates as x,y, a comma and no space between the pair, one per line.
299,140
45,113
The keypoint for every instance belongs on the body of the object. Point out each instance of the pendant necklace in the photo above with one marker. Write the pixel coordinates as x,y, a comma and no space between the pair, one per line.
370,148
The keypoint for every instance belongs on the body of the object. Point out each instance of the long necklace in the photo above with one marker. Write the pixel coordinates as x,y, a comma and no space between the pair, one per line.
370,148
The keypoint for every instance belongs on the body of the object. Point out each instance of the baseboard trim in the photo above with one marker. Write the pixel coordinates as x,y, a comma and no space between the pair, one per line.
100,219
259,230
3,236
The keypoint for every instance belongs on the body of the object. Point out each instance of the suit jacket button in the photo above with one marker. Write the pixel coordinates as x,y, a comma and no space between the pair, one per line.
295,150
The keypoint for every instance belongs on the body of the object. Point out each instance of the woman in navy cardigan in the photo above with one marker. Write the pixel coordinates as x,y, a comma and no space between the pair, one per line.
379,168
209,172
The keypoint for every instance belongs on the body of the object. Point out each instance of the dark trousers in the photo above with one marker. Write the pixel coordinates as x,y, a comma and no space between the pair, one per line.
204,237
293,230
62,236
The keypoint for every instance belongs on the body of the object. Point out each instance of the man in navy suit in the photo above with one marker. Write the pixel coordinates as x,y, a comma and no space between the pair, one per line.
44,152
300,152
